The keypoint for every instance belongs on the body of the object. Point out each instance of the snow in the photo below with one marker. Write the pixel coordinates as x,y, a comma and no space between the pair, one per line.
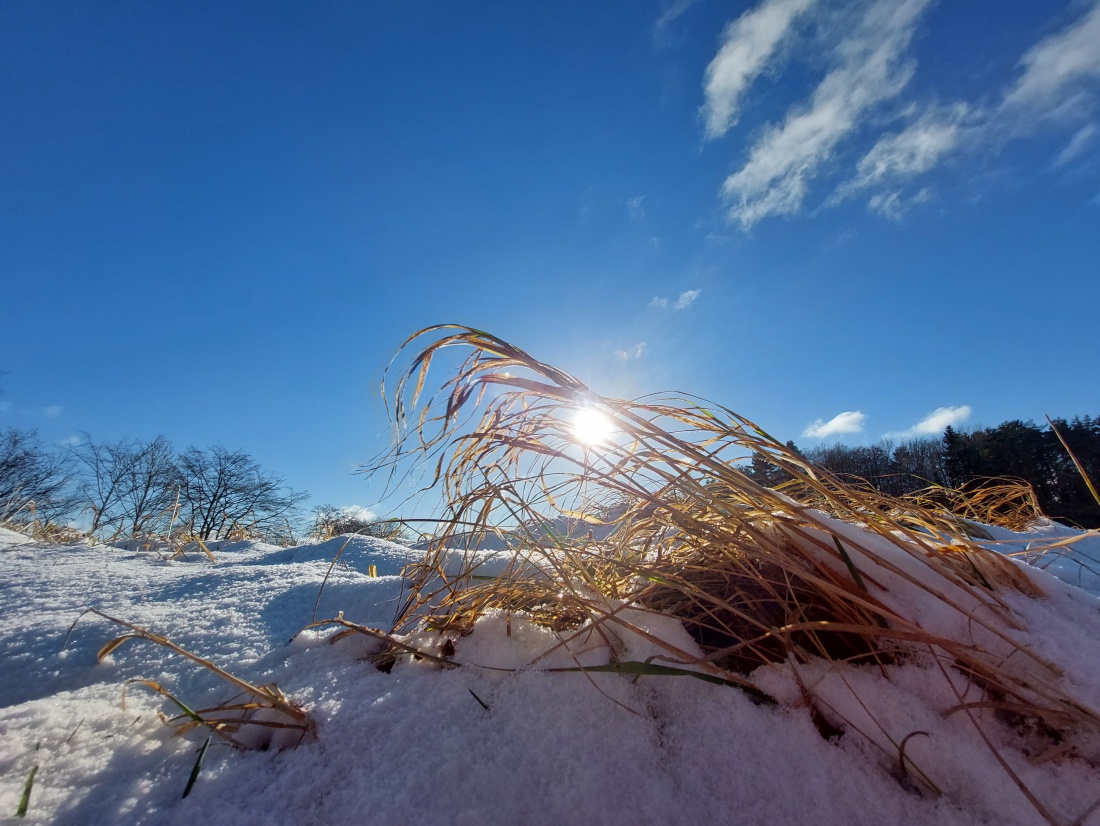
1076,561
415,745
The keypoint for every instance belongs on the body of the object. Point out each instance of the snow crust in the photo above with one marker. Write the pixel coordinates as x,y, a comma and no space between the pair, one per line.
416,745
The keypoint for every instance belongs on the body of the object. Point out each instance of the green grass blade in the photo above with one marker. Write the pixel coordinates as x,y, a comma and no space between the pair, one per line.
25,800
195,769
852,569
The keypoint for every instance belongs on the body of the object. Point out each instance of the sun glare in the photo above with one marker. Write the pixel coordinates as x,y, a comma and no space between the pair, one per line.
592,427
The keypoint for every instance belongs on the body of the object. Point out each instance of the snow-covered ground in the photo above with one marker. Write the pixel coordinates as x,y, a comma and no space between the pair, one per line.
417,746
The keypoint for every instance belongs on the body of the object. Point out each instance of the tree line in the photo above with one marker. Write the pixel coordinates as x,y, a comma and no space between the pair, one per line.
137,488
1014,449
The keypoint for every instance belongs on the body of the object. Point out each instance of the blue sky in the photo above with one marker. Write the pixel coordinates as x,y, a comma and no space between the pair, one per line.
218,220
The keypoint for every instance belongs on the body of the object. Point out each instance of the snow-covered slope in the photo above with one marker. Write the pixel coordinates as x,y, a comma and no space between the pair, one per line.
417,746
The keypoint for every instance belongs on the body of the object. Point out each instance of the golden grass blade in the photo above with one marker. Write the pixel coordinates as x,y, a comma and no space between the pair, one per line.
1076,461
374,633
643,669
328,573
106,650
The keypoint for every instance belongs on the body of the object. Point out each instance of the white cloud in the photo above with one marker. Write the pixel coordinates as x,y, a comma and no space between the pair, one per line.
850,421
71,441
358,512
1054,66
887,204
635,352
1078,144
1057,88
53,411
940,418
681,302
913,151
686,299
670,13
935,422
748,43
870,70
1052,87
634,207
893,205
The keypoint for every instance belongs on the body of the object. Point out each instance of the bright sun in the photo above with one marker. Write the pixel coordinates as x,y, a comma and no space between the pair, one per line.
591,426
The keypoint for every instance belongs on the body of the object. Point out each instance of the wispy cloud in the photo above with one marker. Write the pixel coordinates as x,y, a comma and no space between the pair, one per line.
681,302
870,69
635,352
1077,145
1057,87
71,441
894,205
53,411
686,299
850,421
635,207
935,422
915,150
670,12
1053,86
748,44
1055,69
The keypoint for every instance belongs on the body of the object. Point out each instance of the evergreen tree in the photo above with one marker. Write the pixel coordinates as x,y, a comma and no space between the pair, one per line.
960,458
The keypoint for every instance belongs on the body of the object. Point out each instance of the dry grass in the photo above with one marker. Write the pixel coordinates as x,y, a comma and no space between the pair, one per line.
1007,503
658,517
27,521
250,720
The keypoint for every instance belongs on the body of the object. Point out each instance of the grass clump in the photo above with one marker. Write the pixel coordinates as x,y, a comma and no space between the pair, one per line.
255,719
648,512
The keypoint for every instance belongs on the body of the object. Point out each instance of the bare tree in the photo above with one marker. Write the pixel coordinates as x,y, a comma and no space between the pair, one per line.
103,468
223,492
148,505
127,486
33,478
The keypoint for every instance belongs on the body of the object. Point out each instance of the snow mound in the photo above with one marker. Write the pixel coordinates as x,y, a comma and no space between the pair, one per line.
496,740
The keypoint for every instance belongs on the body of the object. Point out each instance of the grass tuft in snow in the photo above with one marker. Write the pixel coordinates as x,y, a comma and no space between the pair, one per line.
653,519
250,720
